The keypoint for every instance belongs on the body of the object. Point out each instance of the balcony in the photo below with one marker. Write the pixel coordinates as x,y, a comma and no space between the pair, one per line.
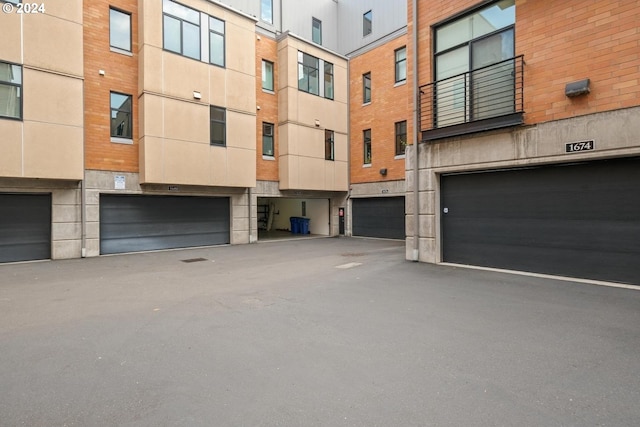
486,98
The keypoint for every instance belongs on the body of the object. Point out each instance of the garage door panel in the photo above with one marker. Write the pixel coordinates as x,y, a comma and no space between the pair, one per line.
25,227
382,217
142,223
579,220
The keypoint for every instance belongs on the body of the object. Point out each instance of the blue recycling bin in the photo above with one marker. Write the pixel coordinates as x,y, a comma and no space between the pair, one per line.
304,225
295,225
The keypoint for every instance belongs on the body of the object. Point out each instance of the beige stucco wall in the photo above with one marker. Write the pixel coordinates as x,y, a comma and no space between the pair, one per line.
174,137
616,134
48,142
303,119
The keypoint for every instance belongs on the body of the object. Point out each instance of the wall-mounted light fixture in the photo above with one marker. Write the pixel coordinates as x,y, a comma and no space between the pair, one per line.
197,95
101,72
578,88
383,171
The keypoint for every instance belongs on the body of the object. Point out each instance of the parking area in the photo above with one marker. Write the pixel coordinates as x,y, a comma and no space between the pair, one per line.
317,332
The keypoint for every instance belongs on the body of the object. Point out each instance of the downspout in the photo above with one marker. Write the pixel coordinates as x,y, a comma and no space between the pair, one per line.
347,210
416,150
250,216
83,186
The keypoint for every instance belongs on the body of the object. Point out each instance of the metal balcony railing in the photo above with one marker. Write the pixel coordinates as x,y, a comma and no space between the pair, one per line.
486,98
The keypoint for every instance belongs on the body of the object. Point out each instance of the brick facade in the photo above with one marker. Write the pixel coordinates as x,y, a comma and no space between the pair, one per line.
390,103
266,48
121,75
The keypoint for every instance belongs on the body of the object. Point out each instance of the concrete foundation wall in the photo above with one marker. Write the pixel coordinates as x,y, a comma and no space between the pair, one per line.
615,134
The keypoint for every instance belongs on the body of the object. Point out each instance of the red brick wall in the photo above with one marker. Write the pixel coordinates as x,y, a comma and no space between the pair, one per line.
266,48
121,75
389,104
562,41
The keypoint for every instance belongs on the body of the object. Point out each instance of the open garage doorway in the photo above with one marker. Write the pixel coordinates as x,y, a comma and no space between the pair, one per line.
274,217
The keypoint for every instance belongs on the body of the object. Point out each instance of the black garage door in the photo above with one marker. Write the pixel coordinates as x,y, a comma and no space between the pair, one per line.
378,217
141,223
579,220
25,227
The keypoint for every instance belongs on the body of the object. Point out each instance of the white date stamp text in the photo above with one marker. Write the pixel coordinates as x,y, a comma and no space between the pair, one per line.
23,8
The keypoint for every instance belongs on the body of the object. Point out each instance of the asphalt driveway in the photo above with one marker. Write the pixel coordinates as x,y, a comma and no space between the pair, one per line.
324,332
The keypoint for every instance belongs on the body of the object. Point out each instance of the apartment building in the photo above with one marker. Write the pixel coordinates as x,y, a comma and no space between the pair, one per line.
41,132
529,130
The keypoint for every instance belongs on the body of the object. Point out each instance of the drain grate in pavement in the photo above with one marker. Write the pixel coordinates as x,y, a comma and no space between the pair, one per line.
194,260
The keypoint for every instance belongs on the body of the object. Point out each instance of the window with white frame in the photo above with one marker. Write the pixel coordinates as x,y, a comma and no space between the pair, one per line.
181,29
119,30
10,91
267,75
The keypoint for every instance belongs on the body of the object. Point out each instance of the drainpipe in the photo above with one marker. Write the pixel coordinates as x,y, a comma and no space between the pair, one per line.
250,217
416,150
83,186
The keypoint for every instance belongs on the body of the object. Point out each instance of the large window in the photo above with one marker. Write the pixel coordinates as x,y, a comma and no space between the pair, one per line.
308,73
401,137
329,145
267,139
469,86
366,143
10,90
266,11
216,41
121,116
367,23
120,30
316,31
401,64
267,75
218,130
181,29
366,88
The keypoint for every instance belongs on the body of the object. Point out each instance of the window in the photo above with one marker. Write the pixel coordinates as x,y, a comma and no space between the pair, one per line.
308,74
316,31
267,75
119,30
366,88
329,145
366,139
10,90
484,41
121,112
266,11
267,139
401,64
216,41
401,137
367,23
328,80
218,130
181,29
